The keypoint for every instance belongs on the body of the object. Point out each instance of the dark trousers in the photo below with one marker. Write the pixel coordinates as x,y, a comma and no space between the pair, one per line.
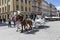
9,25
14,24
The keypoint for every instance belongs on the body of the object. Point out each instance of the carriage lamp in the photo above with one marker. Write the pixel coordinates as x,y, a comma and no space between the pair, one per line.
14,13
18,12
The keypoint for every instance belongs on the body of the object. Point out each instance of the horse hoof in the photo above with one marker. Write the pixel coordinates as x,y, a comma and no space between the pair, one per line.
16,30
25,29
21,31
30,29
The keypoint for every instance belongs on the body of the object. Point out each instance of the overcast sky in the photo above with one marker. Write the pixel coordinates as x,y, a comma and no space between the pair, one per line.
55,2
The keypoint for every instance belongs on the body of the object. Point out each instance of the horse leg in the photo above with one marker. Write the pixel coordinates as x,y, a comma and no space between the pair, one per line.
17,30
30,27
22,29
17,27
30,24
25,28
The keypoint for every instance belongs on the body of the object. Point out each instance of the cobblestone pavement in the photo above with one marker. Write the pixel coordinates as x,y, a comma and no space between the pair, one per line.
51,31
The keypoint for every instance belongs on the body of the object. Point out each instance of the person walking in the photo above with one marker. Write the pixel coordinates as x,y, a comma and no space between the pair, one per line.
14,23
14,20
9,23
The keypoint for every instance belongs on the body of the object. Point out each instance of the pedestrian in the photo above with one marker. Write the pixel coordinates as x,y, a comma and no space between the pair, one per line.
4,20
0,21
14,23
9,23
14,20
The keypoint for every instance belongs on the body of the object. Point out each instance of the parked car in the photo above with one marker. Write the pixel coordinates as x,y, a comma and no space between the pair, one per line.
39,21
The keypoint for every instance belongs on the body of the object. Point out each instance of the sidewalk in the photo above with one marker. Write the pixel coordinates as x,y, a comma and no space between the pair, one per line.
50,32
5,24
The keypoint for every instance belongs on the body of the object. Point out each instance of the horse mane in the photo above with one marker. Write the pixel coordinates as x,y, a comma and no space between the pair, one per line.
20,17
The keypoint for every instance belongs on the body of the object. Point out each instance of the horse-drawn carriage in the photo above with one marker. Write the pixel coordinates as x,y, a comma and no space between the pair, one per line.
28,21
39,21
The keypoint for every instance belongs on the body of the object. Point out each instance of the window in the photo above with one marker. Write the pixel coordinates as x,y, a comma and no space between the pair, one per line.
21,8
21,0
17,0
25,8
29,8
2,2
9,7
5,16
3,9
0,16
38,9
33,8
17,7
29,2
8,0
26,1
5,1
0,10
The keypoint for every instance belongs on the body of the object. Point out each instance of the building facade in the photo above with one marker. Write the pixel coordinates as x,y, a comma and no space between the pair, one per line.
58,13
26,7
48,9
36,8
53,10
45,8
8,7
